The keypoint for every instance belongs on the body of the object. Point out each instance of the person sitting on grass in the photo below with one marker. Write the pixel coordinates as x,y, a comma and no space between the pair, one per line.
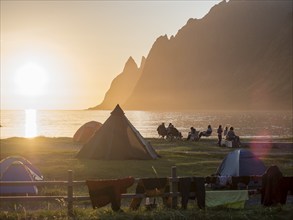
206,133
162,130
193,135
231,136
173,132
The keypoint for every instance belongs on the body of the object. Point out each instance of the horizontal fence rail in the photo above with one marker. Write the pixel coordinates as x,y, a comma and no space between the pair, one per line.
70,198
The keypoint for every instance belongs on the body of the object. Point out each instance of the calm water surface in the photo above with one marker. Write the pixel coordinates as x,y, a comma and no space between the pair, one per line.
31,123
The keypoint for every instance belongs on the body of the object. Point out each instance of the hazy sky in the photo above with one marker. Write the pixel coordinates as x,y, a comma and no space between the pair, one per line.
64,54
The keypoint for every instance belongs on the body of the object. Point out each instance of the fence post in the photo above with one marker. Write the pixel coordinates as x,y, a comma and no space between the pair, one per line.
174,187
70,194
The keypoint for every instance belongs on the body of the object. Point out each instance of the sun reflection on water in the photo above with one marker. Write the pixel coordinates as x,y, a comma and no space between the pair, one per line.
30,123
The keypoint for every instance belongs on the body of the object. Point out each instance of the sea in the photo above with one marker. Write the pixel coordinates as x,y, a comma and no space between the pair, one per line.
64,123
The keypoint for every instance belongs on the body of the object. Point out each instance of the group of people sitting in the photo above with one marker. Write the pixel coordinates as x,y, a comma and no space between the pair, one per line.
194,135
169,132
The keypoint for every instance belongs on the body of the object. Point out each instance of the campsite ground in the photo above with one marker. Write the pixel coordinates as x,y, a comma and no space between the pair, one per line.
54,156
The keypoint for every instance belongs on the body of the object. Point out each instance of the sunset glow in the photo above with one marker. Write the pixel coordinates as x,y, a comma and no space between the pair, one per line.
101,101
65,54
31,80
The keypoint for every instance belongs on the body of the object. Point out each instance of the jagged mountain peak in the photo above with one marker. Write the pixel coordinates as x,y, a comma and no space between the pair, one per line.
142,62
130,65
122,85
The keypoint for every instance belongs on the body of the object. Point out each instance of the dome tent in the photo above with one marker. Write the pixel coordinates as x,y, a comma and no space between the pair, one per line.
86,131
117,139
17,171
241,162
6,162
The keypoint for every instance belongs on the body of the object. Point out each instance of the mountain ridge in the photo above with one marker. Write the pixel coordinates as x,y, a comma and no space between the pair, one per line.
237,57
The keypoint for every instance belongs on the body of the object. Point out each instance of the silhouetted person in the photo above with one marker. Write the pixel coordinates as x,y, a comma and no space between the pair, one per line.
231,136
225,131
206,133
219,131
191,133
162,130
173,132
170,127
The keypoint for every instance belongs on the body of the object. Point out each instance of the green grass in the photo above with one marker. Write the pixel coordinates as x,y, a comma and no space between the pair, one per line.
55,156
254,213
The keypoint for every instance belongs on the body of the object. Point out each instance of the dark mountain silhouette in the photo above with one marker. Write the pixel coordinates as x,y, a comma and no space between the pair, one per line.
238,57
122,86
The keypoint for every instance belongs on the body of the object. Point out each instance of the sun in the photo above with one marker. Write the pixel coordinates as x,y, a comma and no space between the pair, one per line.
31,80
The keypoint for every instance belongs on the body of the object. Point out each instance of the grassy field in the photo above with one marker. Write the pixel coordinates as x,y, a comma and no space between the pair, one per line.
55,156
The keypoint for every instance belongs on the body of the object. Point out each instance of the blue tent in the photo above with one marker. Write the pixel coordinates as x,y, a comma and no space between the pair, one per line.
241,162
6,162
17,171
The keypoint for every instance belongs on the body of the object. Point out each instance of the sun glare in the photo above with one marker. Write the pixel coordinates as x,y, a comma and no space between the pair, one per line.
31,80
30,123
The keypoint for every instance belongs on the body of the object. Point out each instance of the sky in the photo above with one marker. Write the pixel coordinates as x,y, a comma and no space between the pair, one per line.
65,54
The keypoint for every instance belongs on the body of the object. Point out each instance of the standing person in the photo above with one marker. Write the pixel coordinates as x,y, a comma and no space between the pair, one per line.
225,131
219,131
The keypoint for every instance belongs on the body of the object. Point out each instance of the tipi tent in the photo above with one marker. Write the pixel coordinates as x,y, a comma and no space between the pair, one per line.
117,139
86,131
241,162
17,171
6,162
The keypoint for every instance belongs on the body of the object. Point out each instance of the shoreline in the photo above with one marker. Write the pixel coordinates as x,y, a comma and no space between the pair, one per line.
251,139
153,136
63,142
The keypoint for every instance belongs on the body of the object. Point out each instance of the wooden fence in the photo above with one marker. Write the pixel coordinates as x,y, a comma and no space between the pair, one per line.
70,198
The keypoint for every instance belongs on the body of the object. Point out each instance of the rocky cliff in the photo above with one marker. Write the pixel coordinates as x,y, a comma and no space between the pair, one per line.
122,86
238,57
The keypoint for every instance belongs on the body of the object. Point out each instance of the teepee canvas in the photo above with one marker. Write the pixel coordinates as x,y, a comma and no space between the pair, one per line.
117,139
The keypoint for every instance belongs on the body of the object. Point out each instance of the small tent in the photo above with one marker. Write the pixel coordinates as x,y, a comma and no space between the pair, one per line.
17,171
86,131
6,162
117,139
241,162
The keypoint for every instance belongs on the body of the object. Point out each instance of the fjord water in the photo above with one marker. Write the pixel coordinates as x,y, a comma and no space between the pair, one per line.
58,123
